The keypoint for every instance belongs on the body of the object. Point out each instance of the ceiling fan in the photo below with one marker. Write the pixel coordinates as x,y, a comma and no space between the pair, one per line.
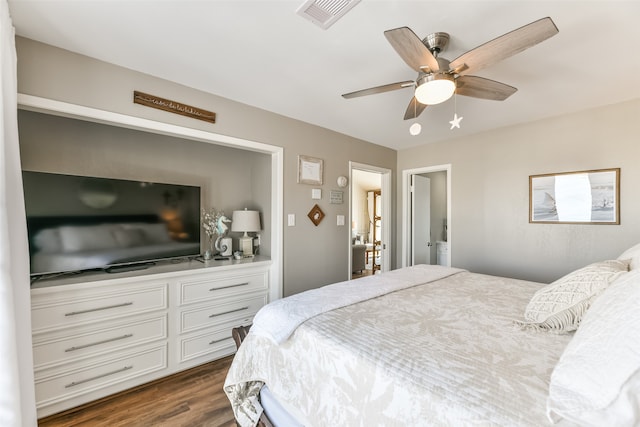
438,78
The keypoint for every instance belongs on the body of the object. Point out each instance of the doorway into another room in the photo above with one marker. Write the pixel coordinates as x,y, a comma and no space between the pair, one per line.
369,213
426,211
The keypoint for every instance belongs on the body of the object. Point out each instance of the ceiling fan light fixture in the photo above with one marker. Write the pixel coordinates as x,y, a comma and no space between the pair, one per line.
435,88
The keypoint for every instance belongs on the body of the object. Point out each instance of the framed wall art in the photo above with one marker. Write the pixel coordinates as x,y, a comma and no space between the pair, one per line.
309,170
583,197
335,197
315,215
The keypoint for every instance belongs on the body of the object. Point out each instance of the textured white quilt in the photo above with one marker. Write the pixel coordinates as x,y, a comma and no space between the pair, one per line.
442,353
278,320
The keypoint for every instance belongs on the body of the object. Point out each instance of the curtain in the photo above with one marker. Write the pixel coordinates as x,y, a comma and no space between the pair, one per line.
17,396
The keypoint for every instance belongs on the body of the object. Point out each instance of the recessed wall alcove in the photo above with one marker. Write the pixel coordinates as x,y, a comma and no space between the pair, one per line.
233,173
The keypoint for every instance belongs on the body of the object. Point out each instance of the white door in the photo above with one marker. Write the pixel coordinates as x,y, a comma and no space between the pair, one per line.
420,220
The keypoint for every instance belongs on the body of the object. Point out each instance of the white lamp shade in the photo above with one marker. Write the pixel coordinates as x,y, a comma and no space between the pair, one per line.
246,221
436,90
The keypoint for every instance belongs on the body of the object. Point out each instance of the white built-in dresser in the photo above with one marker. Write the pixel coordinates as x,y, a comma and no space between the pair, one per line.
96,334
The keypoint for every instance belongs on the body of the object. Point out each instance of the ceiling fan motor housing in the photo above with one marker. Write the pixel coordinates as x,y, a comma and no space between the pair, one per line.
443,70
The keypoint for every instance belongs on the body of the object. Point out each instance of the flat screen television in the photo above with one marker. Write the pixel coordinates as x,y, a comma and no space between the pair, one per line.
78,223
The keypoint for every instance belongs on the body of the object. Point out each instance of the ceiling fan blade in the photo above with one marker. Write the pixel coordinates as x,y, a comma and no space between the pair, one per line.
504,46
411,49
479,87
379,89
414,109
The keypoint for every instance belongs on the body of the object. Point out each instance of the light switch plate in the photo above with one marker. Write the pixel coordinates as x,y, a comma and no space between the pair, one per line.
291,220
340,219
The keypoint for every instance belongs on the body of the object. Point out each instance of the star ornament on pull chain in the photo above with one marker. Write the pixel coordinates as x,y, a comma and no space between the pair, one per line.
455,123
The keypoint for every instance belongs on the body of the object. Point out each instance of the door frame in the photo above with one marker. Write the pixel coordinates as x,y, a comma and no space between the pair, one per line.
406,208
385,187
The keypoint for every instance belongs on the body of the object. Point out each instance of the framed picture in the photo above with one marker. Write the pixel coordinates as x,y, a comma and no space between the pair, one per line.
315,215
584,197
309,170
335,197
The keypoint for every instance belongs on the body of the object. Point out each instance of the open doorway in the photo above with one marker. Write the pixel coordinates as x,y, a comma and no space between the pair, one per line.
426,211
369,213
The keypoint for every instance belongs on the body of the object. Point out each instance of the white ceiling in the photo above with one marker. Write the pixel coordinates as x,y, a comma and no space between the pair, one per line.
263,54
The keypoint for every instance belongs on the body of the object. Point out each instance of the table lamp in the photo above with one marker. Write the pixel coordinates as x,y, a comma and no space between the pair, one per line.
246,221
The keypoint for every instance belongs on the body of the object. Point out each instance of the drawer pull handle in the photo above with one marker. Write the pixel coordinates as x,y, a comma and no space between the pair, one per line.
80,347
230,286
217,341
75,383
73,313
228,312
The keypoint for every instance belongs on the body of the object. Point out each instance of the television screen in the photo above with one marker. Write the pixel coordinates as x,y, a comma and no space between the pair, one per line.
78,223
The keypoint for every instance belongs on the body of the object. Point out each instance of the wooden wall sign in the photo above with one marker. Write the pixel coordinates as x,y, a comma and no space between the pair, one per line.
173,107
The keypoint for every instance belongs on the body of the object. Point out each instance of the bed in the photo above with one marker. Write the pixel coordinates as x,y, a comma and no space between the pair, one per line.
432,345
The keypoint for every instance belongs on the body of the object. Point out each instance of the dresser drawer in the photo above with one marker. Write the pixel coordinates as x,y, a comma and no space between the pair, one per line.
204,288
56,385
211,315
54,349
214,344
78,308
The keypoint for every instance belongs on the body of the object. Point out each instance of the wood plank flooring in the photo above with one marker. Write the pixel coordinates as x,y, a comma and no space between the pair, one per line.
189,398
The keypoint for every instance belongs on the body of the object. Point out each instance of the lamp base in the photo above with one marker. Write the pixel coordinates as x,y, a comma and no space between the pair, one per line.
246,245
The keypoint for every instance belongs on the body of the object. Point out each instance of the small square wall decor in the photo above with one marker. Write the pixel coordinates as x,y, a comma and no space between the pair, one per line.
316,215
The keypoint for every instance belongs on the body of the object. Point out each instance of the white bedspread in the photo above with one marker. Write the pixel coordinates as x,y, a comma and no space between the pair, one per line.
278,320
443,353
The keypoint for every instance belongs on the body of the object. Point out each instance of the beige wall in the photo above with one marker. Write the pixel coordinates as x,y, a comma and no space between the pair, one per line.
313,256
490,225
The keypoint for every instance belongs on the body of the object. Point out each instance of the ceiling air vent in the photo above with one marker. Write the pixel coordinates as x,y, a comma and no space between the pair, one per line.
324,13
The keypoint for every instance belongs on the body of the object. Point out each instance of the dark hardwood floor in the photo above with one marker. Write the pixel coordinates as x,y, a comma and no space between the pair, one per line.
189,398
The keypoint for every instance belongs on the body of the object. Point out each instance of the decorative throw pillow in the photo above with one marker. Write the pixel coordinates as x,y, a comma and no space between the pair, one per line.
632,254
561,305
130,237
597,379
156,233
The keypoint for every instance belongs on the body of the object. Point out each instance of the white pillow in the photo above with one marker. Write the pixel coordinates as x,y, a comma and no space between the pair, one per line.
632,254
48,240
597,379
560,305
90,237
